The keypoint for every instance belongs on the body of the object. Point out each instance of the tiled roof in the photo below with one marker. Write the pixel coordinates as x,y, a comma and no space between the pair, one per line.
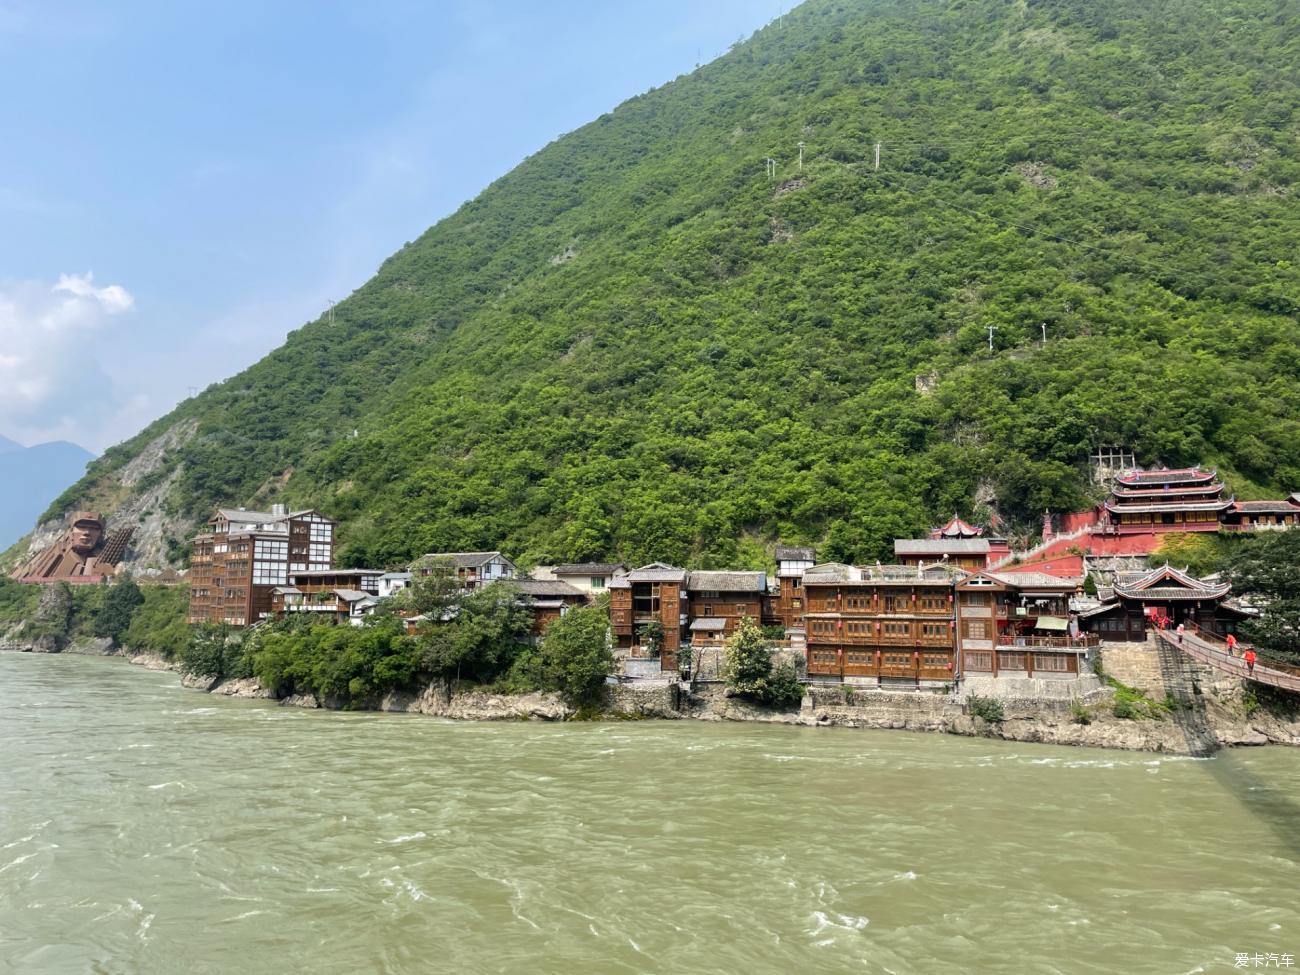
941,546
657,572
958,528
1151,585
708,624
795,553
1218,504
1036,580
832,573
466,560
1286,507
1166,476
351,595
728,581
1159,593
546,587
590,569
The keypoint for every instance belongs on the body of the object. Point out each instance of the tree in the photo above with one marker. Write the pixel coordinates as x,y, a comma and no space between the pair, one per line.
575,657
749,660
114,615
475,635
1266,569
749,672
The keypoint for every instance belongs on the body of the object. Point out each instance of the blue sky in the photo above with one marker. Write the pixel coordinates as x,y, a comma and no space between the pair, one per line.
182,183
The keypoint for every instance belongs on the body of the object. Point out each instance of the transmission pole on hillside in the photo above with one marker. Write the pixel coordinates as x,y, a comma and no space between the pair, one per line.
877,156
801,145
331,312
992,329
771,168
1044,327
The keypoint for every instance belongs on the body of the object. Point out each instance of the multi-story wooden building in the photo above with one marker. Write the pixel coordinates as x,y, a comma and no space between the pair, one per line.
332,595
718,601
886,625
654,593
244,555
1019,625
791,563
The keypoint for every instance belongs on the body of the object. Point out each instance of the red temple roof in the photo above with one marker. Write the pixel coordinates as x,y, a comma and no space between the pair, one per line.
957,528
1181,475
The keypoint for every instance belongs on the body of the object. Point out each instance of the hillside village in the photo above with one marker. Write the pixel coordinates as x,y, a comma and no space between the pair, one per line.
956,606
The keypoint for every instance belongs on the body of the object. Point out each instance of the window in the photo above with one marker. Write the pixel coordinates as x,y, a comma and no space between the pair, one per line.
977,630
708,610
898,629
796,604
978,661
597,582
1011,661
1051,662
321,532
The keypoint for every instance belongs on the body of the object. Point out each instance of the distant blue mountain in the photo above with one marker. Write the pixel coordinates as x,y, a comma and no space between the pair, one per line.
32,477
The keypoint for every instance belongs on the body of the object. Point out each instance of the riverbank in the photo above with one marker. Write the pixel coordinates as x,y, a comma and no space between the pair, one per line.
1201,710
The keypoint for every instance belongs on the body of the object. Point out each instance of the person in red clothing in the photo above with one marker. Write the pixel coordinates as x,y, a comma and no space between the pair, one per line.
1232,644
1250,660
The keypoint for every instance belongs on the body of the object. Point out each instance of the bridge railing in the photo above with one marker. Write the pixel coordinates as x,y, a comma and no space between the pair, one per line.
1264,672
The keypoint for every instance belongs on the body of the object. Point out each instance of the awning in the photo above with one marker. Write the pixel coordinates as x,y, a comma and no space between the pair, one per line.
1052,623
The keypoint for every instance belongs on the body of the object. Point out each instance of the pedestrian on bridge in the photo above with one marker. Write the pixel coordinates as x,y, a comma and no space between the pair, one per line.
1181,630
1232,645
1250,660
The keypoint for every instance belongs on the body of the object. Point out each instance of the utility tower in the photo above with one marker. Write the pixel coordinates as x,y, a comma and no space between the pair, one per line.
877,157
992,329
801,145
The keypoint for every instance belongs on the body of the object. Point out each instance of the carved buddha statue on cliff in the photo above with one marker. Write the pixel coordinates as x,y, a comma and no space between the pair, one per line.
85,553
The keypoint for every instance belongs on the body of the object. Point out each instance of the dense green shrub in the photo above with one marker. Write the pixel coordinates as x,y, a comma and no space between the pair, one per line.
988,708
346,664
158,624
118,605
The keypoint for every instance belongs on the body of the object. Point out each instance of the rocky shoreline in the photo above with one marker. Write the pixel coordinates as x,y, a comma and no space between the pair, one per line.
1208,711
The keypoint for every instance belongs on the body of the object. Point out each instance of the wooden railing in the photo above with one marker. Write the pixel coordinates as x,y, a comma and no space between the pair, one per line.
1199,648
1081,642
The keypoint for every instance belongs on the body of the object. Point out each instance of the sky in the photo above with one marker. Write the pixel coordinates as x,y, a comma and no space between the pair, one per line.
182,183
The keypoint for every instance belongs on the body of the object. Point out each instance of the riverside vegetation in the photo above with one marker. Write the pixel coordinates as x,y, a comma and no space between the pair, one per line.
636,345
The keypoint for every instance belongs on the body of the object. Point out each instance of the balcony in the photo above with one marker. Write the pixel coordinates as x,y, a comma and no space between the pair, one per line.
1083,641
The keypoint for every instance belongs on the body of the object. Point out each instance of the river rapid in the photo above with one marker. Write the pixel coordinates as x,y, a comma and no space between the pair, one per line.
146,828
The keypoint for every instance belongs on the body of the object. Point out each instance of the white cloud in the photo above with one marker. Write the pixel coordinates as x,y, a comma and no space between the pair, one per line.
51,381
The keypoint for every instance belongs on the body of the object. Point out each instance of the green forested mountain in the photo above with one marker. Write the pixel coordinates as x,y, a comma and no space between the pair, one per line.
636,344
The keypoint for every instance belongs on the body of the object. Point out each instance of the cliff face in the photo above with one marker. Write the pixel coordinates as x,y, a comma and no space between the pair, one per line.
639,344
141,494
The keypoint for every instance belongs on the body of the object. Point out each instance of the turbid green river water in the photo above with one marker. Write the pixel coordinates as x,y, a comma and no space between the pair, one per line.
149,828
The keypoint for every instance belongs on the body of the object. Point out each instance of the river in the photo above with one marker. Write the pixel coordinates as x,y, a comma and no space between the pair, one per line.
149,828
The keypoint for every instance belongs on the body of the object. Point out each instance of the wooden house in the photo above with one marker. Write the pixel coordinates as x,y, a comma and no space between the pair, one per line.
888,625
654,593
471,569
547,600
791,563
718,601
1019,625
